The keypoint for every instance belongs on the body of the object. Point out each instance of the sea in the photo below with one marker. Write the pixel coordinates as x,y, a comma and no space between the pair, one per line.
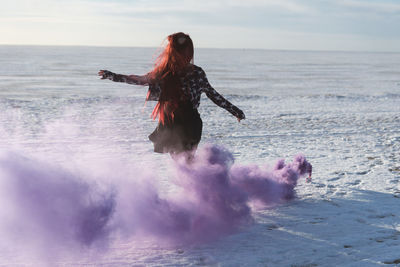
341,110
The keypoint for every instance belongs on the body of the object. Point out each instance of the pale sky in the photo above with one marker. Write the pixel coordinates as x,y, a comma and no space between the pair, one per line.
354,25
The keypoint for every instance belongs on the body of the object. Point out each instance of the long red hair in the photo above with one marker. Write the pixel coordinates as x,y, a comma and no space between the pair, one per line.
171,62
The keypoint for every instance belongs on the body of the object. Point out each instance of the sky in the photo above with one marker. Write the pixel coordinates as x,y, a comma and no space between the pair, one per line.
344,25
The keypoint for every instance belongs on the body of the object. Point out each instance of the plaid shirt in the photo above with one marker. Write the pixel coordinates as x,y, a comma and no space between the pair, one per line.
194,83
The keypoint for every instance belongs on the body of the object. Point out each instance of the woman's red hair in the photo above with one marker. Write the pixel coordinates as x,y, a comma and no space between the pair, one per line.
171,62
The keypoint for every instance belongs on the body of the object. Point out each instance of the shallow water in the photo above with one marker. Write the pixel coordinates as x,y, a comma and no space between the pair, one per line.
340,109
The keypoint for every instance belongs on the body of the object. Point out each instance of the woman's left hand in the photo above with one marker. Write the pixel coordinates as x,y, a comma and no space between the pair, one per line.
101,73
104,74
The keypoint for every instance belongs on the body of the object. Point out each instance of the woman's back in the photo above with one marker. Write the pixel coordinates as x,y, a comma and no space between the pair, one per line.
177,84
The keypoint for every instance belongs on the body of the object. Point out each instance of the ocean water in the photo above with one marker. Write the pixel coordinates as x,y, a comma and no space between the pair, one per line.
340,109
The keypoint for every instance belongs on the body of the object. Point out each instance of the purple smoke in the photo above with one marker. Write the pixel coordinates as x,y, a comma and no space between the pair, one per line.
48,205
56,206
271,186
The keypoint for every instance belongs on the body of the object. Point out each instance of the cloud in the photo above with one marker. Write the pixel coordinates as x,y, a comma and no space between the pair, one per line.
374,6
282,5
146,23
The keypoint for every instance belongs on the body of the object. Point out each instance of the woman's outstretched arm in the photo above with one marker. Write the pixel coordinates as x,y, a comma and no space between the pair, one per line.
219,99
131,79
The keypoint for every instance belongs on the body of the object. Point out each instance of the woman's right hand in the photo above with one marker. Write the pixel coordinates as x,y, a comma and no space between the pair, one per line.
240,116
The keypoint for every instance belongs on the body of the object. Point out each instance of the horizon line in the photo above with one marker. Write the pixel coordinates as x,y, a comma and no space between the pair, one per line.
221,48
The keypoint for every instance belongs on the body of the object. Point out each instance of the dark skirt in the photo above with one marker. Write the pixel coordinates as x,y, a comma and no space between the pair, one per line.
181,134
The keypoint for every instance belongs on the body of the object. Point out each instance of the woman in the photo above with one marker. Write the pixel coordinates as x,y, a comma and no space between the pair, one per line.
176,84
